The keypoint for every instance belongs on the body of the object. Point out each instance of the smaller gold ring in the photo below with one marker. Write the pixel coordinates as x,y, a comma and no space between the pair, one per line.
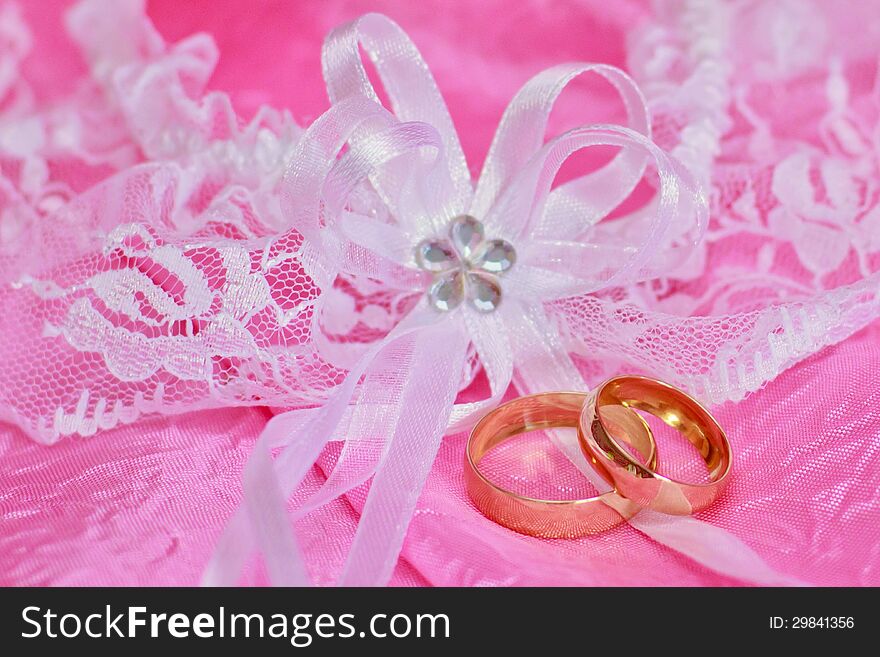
550,518
634,480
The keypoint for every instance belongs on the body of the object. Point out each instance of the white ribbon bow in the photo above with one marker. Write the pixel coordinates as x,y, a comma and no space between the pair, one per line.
398,399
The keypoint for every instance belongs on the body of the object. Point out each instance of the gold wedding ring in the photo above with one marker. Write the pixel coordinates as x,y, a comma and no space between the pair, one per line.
609,430
550,518
641,483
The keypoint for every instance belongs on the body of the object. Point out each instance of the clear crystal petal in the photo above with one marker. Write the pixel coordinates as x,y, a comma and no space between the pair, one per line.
495,256
447,292
483,291
436,256
467,235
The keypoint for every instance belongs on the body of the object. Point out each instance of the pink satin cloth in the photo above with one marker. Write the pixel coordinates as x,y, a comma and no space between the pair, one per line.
145,504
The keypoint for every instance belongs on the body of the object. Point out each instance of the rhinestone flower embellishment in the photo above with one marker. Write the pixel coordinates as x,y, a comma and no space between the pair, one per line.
465,266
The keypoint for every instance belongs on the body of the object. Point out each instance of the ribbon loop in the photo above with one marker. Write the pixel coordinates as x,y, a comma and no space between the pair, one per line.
680,211
411,88
318,184
522,132
398,162
313,158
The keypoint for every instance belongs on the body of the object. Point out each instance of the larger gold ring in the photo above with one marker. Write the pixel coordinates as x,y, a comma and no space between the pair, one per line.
632,479
550,518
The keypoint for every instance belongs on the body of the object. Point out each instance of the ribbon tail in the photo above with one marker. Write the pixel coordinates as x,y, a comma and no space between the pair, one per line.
712,547
425,409
543,363
264,495
262,491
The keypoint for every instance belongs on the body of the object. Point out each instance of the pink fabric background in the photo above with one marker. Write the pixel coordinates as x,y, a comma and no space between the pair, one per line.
144,504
